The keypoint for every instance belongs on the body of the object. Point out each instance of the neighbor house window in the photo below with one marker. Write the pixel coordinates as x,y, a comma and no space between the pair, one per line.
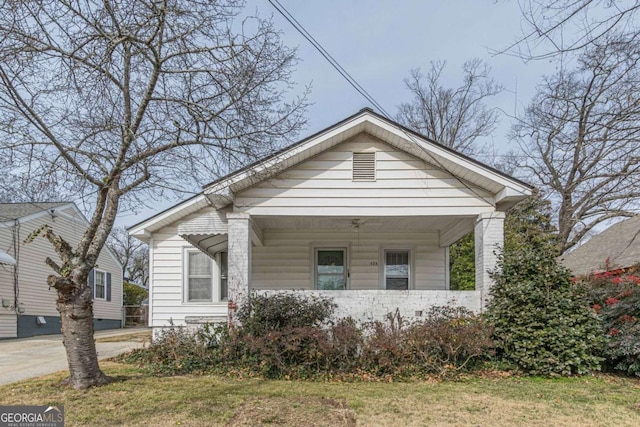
198,277
397,269
100,285
331,268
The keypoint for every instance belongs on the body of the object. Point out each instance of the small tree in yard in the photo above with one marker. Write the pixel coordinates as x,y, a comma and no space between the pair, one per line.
122,100
542,320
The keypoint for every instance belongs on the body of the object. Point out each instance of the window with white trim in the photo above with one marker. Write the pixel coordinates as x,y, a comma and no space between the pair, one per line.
198,276
397,269
100,285
204,277
330,268
223,262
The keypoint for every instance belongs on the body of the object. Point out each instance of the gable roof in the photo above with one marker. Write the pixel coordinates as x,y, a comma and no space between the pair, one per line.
219,193
10,212
620,243
13,211
409,134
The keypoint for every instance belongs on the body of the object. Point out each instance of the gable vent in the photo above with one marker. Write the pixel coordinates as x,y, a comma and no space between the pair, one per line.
364,166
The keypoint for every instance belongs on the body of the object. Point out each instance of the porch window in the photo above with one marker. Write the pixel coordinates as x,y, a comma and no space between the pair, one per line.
330,268
397,269
199,277
223,263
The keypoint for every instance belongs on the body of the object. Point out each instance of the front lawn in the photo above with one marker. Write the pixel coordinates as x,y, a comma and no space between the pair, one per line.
138,399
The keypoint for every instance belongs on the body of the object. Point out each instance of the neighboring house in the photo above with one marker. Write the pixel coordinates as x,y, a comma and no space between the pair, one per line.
617,247
363,211
28,306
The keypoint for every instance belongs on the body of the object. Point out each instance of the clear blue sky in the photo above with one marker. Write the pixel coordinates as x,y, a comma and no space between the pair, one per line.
379,41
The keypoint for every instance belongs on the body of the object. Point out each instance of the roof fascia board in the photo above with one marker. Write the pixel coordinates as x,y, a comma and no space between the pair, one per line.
36,215
271,163
268,168
450,156
139,230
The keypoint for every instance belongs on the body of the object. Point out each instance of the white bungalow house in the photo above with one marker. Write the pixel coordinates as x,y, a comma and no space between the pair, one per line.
363,211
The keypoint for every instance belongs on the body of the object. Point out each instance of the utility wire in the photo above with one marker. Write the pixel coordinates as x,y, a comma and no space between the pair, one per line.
354,83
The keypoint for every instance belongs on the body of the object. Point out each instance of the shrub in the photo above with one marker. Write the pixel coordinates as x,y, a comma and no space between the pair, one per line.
447,341
292,336
615,297
282,311
177,351
542,321
133,294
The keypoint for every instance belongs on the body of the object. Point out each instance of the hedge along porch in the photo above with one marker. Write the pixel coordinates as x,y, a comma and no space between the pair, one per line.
363,211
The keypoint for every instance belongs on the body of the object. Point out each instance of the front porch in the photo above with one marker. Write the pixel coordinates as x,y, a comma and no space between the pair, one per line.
369,266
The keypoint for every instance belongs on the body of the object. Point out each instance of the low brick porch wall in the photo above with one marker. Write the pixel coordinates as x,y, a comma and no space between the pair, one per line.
367,305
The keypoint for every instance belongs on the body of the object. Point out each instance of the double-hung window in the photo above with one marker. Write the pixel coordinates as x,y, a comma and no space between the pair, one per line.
205,278
330,268
100,284
397,269
199,277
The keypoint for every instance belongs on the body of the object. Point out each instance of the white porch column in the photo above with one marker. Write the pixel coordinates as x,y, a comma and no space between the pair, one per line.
239,262
489,238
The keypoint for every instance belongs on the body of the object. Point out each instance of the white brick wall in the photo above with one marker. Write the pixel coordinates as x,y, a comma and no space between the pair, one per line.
239,260
367,305
489,239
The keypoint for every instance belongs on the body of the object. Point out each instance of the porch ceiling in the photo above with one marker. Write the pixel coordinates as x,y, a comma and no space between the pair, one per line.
400,224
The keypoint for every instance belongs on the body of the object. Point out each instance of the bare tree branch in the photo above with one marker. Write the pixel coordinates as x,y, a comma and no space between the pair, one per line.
118,100
455,117
579,138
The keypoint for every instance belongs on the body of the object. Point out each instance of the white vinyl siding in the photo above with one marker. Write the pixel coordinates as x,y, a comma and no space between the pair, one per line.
8,323
34,294
167,289
324,185
286,261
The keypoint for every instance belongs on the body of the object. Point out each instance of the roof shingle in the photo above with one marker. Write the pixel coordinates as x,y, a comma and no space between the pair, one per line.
11,211
620,243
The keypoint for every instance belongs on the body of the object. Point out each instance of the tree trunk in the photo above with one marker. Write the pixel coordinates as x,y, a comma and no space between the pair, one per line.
75,304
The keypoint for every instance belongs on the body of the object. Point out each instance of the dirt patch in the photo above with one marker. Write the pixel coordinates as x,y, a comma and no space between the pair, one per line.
143,336
310,411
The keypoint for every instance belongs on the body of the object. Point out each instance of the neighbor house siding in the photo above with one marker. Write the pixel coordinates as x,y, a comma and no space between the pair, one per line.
286,259
7,315
37,298
324,185
8,324
167,287
34,296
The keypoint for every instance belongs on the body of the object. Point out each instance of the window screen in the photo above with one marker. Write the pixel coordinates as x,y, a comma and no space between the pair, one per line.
396,270
199,276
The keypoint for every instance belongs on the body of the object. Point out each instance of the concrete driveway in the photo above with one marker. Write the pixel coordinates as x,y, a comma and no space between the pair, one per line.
25,358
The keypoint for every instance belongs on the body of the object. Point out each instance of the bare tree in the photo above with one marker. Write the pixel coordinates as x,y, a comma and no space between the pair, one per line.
554,27
579,138
455,117
132,253
122,100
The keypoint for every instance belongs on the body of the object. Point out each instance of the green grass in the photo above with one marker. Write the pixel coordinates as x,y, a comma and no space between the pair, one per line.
137,399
